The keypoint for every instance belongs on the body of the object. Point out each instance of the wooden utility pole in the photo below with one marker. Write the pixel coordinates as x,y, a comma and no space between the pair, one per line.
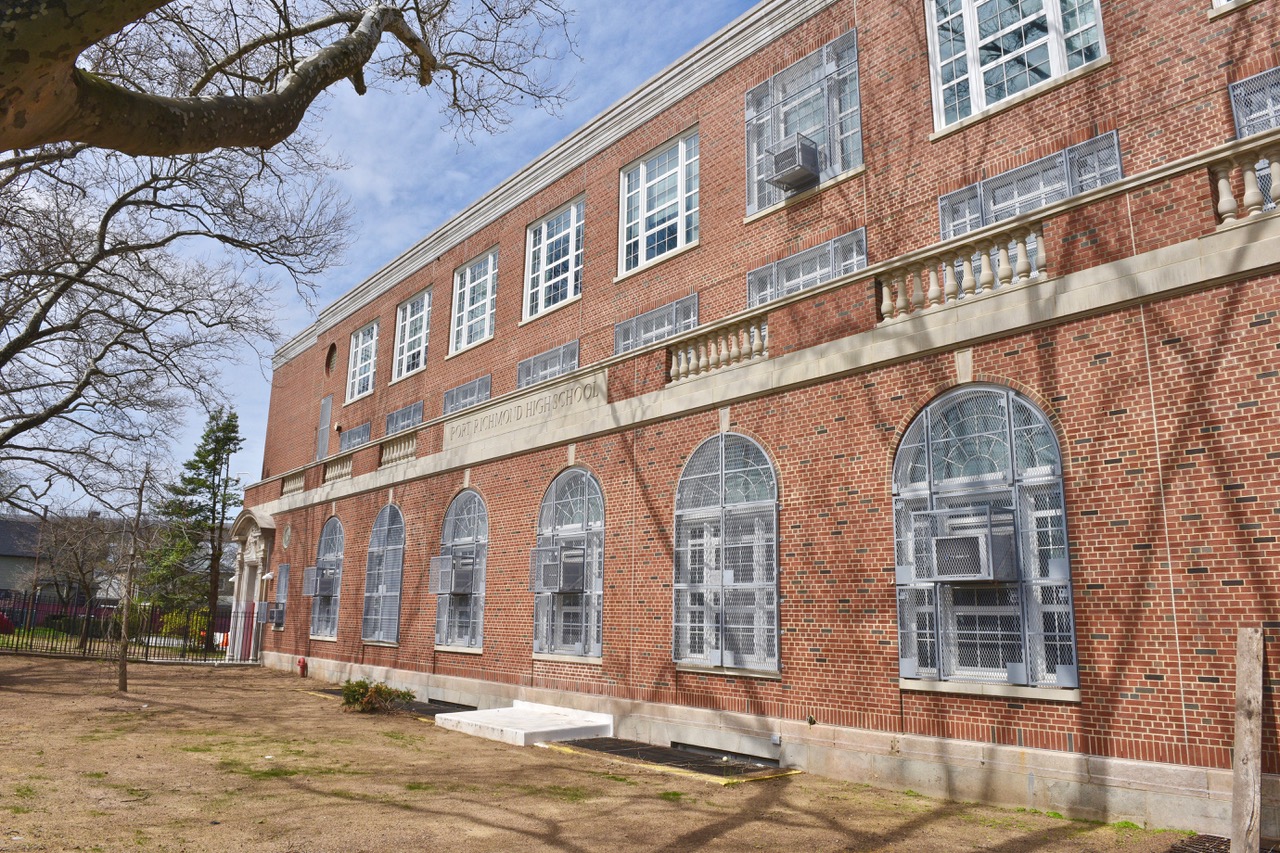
1246,790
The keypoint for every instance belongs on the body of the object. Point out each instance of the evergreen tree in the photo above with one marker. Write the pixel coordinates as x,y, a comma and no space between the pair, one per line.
195,514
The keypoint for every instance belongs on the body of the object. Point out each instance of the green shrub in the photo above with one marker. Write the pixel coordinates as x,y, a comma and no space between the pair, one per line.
379,696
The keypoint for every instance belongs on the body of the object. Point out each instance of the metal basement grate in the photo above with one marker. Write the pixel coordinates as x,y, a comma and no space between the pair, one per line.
1213,844
421,709
718,764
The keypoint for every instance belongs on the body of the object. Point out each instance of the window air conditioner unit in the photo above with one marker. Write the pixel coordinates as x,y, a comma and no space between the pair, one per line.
275,615
262,614
326,586
970,550
792,163
560,569
453,574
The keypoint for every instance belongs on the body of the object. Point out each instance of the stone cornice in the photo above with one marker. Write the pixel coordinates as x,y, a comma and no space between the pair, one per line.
723,50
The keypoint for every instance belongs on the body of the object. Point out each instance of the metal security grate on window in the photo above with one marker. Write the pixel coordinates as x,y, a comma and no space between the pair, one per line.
458,574
1071,171
548,365
656,325
1255,103
817,98
354,437
282,583
726,561
981,545
402,419
473,392
832,259
383,569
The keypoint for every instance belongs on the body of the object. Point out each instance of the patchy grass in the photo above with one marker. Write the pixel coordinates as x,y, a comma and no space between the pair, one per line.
672,796
26,792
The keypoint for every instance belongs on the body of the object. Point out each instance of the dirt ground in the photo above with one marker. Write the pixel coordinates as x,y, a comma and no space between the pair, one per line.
231,759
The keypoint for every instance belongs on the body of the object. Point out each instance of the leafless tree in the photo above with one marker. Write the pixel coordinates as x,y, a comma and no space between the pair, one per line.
242,73
124,284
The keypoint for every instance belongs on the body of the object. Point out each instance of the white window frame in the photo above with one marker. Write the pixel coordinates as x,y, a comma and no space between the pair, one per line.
362,362
413,333
475,299
1056,40
637,181
325,609
460,617
544,292
725,587
384,568
839,134
958,457
572,515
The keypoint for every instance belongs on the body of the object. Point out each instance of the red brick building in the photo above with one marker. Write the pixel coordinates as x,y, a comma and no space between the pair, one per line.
888,389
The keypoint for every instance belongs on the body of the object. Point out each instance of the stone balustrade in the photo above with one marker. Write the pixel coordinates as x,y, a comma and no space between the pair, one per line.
337,469
722,346
999,260
293,483
399,449
1259,168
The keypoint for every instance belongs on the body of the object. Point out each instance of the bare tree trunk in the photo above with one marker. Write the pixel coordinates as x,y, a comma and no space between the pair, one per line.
122,669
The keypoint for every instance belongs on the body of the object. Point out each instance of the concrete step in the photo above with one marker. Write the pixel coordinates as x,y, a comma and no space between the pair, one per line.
527,723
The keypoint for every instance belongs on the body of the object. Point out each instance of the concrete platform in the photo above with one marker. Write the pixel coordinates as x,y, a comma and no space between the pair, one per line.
527,723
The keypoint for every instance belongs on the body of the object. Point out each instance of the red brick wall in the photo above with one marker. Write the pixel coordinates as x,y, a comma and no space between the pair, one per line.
1166,413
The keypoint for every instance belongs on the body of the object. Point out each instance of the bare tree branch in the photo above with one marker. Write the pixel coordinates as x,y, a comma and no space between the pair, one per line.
250,73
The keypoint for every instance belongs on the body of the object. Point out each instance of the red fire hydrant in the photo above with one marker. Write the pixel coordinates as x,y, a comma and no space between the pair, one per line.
302,667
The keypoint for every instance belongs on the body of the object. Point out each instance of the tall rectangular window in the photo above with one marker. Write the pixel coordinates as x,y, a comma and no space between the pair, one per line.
984,51
554,260
660,203
413,328
475,294
814,103
360,368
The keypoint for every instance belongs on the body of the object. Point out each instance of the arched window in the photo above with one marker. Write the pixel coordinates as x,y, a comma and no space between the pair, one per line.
984,579
726,557
567,567
457,575
382,574
325,581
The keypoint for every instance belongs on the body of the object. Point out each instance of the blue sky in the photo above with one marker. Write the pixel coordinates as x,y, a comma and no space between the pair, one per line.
407,177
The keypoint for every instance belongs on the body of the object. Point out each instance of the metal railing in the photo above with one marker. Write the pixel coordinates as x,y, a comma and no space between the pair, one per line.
31,623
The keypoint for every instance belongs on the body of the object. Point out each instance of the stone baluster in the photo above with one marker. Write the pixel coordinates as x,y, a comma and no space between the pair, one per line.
987,280
950,290
933,296
902,304
704,357
916,276
1023,270
967,281
1252,198
713,351
758,342
1004,271
1273,161
735,352
886,299
1042,251
1226,198
673,373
